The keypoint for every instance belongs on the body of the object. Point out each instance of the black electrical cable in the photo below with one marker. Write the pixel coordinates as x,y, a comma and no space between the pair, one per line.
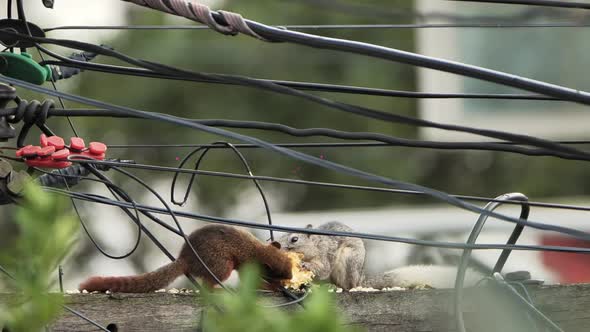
403,142
392,141
338,185
536,225
296,145
117,191
524,139
305,86
302,182
198,163
312,231
421,61
291,153
135,218
336,26
390,54
545,205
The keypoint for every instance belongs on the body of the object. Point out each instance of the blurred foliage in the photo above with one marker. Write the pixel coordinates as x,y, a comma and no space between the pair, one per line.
46,234
234,312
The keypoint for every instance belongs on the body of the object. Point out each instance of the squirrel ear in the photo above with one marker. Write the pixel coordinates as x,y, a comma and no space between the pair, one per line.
309,226
275,244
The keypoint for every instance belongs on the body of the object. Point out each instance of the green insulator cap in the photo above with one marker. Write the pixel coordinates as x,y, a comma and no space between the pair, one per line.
23,67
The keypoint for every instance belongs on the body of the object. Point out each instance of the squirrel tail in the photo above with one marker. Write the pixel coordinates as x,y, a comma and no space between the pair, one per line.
143,283
431,276
380,281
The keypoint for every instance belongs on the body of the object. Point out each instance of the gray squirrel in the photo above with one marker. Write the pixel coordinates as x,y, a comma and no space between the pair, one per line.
340,260
337,259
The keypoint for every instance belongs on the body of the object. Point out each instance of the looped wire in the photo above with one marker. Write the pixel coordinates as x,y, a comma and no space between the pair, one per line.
32,113
19,112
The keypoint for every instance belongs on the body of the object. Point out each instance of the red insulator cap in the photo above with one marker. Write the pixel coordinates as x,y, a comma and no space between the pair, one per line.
77,144
56,141
29,151
61,154
19,152
43,140
46,151
97,148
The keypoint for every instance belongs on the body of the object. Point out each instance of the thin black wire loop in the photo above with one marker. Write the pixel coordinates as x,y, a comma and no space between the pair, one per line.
194,175
524,214
192,179
110,186
32,113
135,218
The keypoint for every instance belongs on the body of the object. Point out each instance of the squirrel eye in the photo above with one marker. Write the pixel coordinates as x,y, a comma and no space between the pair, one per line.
294,239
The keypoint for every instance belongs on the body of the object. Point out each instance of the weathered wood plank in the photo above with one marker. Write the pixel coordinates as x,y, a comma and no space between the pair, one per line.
415,310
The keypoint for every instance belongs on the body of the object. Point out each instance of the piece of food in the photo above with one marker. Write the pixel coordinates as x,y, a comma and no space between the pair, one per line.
301,276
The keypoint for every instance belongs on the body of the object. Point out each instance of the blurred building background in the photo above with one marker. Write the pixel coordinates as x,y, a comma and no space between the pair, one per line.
554,55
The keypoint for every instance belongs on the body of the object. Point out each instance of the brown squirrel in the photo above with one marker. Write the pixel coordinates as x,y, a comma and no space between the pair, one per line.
222,248
337,259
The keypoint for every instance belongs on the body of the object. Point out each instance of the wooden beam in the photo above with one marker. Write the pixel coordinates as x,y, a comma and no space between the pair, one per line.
413,310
